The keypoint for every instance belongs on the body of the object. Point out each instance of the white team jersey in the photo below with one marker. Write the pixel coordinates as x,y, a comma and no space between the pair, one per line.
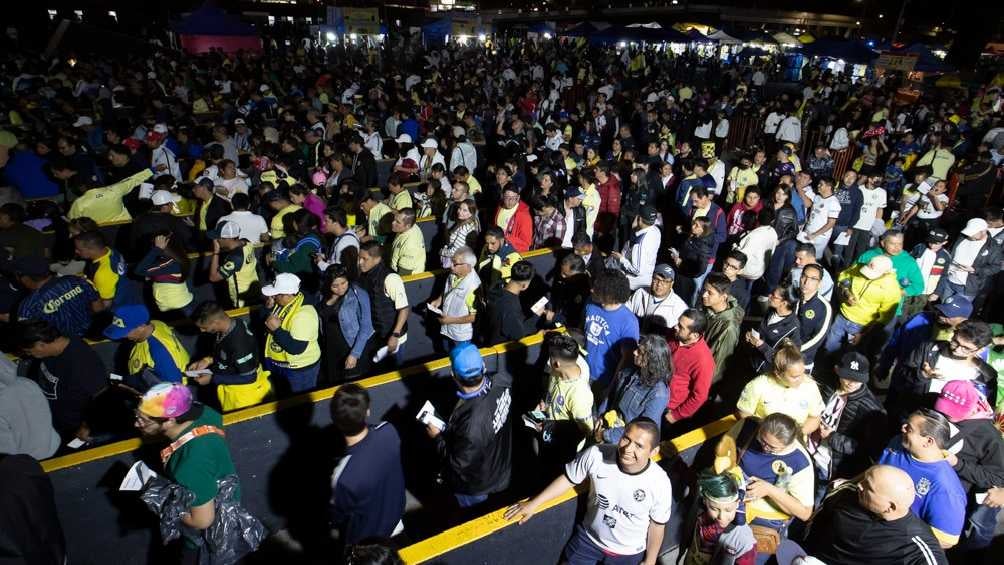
621,506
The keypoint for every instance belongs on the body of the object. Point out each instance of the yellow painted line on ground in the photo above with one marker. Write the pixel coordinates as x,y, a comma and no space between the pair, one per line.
262,410
492,522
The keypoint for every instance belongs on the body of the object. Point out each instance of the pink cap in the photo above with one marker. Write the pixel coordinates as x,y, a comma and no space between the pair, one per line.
959,400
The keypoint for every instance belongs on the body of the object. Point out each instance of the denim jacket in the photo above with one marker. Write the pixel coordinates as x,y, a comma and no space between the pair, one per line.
631,399
355,319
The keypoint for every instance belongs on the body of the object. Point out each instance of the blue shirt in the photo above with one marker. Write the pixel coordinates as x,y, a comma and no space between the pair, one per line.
25,172
940,499
607,332
367,486
64,302
163,364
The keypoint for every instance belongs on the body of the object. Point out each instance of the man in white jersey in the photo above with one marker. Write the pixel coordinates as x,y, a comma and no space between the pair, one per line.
822,217
629,500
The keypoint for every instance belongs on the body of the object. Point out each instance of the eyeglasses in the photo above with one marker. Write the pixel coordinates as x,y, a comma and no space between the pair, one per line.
808,278
956,344
733,266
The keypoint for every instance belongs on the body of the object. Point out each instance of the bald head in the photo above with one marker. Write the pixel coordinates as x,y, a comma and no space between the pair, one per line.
886,491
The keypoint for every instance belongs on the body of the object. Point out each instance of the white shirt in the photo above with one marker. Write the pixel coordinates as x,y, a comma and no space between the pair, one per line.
965,253
722,129
621,506
873,200
374,143
840,140
755,245
790,130
251,225
771,123
464,154
644,304
759,79
925,208
822,210
717,172
164,156
233,186
638,260
703,131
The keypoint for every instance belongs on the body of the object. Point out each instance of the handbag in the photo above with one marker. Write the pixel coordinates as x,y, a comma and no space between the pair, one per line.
767,539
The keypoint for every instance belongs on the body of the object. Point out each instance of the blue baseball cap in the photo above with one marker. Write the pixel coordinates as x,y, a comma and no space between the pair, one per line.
125,319
958,306
466,362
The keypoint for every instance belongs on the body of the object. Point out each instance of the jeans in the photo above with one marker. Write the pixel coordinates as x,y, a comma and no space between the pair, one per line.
979,529
292,381
780,263
582,551
841,329
468,500
699,284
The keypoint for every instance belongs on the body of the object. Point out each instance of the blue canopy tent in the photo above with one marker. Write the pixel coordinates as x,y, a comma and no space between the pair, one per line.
849,50
435,32
927,62
209,27
541,28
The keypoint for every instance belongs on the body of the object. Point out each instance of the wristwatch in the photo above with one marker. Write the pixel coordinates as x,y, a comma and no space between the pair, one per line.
396,334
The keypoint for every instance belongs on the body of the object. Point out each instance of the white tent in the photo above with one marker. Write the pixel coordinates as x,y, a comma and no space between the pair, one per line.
786,39
724,38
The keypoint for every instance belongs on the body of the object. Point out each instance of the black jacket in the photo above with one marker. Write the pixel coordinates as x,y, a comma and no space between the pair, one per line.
364,169
785,223
772,335
844,533
859,435
568,299
695,255
977,444
476,447
218,208
909,386
505,318
986,265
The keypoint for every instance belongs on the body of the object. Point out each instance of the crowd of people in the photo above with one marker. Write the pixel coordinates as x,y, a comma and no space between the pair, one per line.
839,307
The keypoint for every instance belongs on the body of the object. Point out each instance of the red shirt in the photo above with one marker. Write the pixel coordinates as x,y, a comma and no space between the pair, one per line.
519,230
693,367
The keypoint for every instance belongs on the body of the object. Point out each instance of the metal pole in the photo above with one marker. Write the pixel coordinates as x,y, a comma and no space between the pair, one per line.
899,21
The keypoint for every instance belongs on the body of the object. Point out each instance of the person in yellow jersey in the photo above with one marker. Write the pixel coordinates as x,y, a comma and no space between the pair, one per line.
104,204
166,265
106,269
234,262
400,197
407,254
278,200
292,351
376,227
156,356
234,364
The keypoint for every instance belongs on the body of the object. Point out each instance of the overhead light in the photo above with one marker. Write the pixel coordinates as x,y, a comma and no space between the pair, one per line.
330,36
675,2
53,14
482,37
622,45
79,14
857,22
353,36
113,15
547,35
881,16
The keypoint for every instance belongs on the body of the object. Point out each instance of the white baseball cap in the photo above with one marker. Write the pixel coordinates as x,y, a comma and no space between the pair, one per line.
285,283
83,121
975,226
161,197
160,128
878,266
403,138
430,144
263,88
225,230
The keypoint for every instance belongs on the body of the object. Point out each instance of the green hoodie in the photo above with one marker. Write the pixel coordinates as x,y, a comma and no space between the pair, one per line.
723,334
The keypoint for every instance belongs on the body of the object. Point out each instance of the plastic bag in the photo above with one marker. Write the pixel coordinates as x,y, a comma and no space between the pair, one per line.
234,533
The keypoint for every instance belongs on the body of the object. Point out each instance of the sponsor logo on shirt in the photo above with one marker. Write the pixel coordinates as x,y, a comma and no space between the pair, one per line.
53,305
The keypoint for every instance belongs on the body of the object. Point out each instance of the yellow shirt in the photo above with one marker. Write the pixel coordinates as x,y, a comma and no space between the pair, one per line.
301,321
401,200
171,296
765,395
473,184
504,215
276,225
591,202
104,204
570,400
408,252
377,213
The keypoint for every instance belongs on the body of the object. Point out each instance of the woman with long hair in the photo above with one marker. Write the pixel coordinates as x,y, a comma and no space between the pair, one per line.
639,389
347,324
463,232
